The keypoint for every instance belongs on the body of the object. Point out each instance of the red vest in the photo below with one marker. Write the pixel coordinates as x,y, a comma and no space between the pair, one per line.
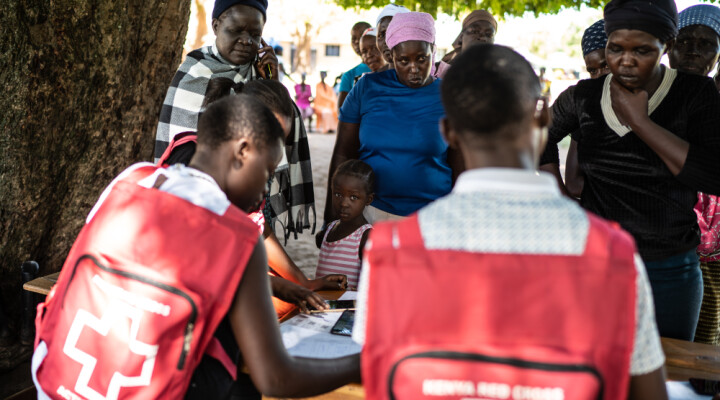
447,324
140,295
282,308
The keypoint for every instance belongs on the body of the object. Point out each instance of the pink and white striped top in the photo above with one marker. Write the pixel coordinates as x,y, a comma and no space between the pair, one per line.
341,256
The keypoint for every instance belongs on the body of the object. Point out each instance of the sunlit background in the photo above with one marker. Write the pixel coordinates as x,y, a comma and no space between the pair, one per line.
315,36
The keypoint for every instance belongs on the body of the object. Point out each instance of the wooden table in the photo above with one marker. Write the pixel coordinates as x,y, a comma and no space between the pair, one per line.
353,391
42,284
683,359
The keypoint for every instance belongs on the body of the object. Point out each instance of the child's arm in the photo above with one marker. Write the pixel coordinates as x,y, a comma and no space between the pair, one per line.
363,240
272,369
280,262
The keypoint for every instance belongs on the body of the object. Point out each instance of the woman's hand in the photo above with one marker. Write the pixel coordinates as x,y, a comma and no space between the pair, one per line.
329,282
274,372
267,65
630,107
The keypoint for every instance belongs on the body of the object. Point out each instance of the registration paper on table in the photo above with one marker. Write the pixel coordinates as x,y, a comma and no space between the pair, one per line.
309,336
349,295
683,391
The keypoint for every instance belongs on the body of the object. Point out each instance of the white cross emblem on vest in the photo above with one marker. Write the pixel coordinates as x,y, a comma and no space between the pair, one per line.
115,310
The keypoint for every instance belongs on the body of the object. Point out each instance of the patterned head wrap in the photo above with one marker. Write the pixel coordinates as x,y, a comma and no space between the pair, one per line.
594,38
656,17
701,14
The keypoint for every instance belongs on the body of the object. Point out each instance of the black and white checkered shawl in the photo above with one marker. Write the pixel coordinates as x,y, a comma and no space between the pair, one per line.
292,197
184,98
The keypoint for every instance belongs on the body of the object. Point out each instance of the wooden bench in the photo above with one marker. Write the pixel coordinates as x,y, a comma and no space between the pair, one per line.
42,284
684,360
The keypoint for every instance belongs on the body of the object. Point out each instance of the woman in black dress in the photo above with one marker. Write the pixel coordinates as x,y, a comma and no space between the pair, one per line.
648,141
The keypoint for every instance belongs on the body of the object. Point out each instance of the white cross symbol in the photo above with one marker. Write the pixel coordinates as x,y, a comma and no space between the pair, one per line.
115,310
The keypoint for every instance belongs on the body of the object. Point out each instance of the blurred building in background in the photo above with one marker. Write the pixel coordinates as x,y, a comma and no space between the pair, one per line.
314,35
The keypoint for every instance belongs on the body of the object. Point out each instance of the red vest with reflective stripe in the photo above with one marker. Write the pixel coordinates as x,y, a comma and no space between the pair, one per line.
140,295
445,324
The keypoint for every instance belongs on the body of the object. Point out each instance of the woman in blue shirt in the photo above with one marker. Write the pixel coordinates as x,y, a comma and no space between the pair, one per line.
390,120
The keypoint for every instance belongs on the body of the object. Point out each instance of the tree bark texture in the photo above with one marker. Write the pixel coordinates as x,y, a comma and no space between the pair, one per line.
83,84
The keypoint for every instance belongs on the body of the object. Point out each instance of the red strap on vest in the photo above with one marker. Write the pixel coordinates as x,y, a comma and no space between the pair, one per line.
177,140
216,351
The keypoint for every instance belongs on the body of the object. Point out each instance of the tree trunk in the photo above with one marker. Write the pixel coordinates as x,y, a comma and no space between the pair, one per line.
202,28
84,82
306,48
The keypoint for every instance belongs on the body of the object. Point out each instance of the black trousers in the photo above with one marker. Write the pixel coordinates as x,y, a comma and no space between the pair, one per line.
212,381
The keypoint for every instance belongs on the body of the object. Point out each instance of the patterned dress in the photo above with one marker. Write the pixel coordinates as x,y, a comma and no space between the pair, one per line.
341,256
708,213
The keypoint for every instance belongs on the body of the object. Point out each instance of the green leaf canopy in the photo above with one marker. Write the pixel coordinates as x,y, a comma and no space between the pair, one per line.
498,8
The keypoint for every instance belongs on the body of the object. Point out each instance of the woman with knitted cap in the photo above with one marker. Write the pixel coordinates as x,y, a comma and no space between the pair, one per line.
238,53
648,141
390,121
696,51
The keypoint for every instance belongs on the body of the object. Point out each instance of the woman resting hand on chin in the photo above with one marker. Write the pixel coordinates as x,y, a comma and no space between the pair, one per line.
648,140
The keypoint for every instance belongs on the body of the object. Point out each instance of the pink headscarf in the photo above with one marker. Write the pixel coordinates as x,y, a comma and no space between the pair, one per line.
410,26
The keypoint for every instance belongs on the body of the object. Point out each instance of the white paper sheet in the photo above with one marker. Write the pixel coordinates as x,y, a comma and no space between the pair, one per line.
319,322
349,295
304,336
683,391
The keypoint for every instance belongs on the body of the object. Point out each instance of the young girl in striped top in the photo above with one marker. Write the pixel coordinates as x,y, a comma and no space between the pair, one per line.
341,249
